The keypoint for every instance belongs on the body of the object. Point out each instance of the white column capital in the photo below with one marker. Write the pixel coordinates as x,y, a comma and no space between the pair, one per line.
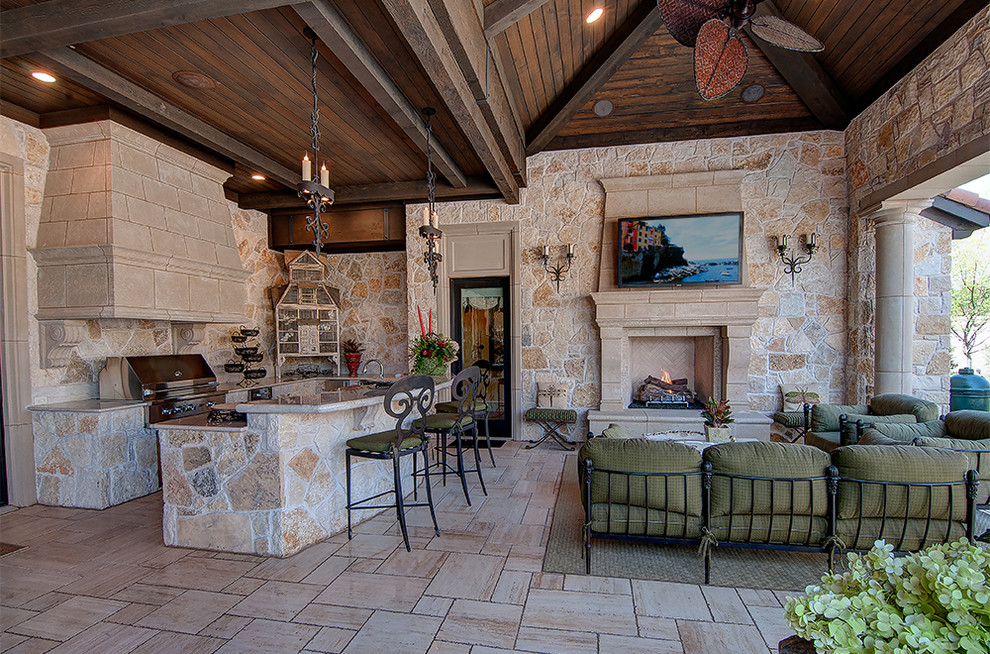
894,212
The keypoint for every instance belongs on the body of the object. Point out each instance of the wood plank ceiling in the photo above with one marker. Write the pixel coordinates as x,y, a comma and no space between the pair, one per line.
518,76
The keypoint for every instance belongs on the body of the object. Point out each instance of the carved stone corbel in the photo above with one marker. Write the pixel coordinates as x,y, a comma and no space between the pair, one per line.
58,339
186,336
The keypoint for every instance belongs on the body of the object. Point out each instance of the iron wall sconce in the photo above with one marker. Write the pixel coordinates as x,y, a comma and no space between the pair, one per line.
793,262
558,271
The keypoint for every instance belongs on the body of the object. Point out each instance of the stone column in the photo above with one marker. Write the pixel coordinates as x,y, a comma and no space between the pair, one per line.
894,224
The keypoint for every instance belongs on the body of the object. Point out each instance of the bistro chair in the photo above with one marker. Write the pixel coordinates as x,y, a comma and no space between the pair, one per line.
407,438
452,426
480,408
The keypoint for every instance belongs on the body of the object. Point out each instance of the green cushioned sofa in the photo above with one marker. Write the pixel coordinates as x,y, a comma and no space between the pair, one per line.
833,425
774,495
964,431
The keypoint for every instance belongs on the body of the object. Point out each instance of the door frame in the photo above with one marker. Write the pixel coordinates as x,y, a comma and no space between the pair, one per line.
503,282
505,233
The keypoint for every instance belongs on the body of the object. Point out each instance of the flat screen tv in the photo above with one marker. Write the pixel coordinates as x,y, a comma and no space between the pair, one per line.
680,250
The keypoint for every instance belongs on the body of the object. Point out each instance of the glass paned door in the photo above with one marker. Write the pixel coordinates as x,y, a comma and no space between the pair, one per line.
481,326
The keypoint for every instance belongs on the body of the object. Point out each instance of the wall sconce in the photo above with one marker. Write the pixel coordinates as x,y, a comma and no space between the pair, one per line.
559,271
793,262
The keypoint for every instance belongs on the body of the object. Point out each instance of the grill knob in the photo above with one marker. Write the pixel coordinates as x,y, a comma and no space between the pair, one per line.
167,411
210,403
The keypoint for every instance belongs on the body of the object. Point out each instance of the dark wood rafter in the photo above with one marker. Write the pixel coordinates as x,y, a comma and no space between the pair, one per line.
335,33
806,76
421,30
475,188
919,53
502,13
58,23
694,132
67,62
640,25
465,35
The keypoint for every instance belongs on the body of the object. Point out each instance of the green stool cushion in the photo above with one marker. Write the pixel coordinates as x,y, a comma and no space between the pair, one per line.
381,442
438,421
555,415
454,407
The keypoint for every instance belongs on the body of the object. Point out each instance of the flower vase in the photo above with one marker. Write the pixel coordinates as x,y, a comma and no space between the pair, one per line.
353,360
435,367
717,434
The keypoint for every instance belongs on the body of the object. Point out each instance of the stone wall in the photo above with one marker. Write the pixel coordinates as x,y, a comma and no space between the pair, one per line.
793,184
938,108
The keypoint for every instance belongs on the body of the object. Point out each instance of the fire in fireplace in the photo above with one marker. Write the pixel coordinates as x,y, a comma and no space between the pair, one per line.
664,393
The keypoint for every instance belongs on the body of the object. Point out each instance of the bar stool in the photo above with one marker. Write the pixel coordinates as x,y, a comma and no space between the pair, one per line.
402,397
465,393
480,408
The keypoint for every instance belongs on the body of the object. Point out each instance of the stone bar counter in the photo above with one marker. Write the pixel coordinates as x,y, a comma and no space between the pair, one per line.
93,454
275,483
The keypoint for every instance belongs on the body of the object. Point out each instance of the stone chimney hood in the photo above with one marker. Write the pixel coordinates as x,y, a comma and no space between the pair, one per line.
133,228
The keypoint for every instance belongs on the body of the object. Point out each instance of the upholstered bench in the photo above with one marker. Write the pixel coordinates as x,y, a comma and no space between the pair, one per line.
552,420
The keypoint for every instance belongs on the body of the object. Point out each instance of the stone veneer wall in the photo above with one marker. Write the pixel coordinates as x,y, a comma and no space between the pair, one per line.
939,107
793,184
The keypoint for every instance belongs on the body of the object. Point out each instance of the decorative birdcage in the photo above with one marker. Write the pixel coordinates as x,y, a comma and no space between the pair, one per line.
307,318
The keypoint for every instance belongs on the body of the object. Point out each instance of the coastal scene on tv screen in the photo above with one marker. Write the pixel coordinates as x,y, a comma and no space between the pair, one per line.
699,249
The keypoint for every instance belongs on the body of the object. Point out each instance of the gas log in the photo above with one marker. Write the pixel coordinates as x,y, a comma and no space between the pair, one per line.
653,389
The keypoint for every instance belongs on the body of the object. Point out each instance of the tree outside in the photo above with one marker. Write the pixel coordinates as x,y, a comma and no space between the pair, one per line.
971,301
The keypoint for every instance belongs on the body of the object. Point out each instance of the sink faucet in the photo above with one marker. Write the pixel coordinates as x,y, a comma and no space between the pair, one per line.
381,367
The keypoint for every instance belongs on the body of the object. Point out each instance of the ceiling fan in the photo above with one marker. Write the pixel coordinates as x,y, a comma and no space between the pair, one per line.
712,27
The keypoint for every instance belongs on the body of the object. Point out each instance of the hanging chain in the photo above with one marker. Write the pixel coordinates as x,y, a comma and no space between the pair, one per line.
314,128
431,177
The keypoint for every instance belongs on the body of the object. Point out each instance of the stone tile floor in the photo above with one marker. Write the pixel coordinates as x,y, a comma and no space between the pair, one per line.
101,581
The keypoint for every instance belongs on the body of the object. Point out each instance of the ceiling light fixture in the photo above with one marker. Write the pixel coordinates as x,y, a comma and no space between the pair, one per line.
258,178
604,108
315,191
752,93
193,79
594,15
42,76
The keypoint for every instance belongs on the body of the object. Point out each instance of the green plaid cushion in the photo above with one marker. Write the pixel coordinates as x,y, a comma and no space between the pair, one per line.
789,418
437,421
555,415
381,442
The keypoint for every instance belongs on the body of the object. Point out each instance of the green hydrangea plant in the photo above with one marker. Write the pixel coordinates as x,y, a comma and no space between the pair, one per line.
934,601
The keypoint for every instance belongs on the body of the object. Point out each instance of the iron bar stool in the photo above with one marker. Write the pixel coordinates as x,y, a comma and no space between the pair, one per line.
480,408
465,392
408,437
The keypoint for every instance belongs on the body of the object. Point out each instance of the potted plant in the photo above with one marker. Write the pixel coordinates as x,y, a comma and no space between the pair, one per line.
717,415
352,355
935,600
431,352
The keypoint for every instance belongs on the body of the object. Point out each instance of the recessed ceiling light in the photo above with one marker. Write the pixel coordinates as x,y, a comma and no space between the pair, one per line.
43,76
594,15
258,177
193,80
604,107
752,93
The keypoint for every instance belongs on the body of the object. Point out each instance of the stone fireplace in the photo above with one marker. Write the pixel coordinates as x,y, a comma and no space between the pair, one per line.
696,333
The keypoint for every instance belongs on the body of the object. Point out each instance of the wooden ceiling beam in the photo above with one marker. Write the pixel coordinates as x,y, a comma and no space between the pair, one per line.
474,188
334,31
465,35
88,73
58,23
805,75
502,14
642,24
421,29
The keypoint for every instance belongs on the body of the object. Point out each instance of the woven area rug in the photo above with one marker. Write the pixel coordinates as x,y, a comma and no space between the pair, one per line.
741,568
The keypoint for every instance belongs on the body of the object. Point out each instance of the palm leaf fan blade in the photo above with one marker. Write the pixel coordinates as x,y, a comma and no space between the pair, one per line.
783,34
719,60
684,18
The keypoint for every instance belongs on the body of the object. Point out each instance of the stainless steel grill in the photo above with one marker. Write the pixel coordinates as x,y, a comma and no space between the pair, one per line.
176,385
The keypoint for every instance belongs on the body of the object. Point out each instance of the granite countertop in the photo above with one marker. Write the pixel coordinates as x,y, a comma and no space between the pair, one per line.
326,401
89,406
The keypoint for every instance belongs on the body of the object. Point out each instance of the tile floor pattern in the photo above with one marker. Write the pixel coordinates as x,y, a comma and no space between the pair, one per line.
101,581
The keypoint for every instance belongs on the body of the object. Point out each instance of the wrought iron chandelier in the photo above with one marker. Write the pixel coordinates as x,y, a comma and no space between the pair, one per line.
430,229
315,190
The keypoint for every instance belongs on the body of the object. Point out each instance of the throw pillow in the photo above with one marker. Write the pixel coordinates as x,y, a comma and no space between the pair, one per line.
616,431
795,396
